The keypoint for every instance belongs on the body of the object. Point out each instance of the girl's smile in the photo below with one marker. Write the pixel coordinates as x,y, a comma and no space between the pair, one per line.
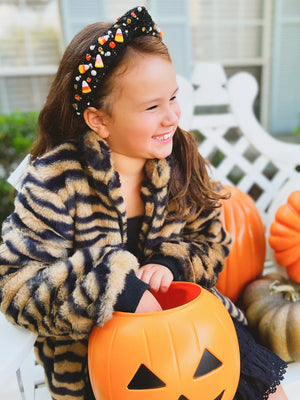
164,138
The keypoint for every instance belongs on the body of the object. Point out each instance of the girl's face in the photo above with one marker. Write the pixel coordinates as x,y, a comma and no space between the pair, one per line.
145,111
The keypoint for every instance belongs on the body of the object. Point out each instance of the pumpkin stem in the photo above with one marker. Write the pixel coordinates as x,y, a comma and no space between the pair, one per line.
290,293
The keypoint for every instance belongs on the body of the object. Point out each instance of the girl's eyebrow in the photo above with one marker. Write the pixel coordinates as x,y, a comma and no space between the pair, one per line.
158,99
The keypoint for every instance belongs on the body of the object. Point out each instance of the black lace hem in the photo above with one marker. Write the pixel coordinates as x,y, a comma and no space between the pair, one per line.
261,369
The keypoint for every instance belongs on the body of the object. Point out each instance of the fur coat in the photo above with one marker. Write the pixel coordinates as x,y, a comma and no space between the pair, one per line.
63,261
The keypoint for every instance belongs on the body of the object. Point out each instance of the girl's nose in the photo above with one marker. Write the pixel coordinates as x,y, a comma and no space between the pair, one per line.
171,116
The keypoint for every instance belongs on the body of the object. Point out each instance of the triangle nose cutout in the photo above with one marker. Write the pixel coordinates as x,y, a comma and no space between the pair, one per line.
182,397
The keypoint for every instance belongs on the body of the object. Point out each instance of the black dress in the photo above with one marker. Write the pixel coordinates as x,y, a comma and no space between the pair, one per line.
261,369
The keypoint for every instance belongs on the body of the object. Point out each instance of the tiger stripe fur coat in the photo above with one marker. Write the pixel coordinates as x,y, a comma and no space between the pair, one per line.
63,260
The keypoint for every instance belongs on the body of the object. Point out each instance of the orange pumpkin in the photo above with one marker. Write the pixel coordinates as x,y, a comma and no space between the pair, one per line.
245,262
285,235
187,351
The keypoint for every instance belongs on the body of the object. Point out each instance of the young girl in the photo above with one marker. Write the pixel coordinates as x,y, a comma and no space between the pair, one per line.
116,201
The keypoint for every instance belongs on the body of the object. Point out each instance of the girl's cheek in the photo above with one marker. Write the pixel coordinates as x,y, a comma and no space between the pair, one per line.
178,111
177,108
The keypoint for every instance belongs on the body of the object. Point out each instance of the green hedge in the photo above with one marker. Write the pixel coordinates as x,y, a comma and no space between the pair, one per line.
17,132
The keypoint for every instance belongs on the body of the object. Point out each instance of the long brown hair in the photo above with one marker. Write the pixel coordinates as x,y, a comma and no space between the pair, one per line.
189,185
58,121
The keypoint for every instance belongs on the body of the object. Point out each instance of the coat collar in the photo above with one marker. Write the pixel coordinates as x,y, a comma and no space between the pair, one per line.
98,158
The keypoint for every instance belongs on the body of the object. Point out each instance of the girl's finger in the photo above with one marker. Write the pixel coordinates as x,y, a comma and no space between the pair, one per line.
146,275
166,282
155,282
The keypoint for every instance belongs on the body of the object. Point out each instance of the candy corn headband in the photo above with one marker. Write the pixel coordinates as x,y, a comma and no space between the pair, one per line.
103,54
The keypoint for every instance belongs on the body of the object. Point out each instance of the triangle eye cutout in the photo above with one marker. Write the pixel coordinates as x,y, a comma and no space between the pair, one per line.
145,379
220,396
207,364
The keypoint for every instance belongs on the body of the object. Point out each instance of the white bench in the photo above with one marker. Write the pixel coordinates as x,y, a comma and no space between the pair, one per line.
242,152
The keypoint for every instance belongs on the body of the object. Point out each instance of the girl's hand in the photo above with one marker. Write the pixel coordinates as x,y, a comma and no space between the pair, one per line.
158,276
148,303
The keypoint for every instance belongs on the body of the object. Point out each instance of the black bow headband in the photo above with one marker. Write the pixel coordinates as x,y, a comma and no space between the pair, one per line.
103,53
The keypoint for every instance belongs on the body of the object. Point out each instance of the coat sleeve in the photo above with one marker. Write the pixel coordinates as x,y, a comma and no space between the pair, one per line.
46,285
199,250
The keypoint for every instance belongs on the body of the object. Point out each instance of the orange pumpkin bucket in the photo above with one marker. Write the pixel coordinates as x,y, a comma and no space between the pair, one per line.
187,351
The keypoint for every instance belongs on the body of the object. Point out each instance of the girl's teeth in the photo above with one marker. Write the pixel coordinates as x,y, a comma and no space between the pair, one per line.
165,137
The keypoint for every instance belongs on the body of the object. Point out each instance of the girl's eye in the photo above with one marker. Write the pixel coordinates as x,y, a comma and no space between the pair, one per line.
173,98
151,108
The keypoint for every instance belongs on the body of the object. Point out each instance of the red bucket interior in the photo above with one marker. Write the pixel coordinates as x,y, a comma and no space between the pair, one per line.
179,293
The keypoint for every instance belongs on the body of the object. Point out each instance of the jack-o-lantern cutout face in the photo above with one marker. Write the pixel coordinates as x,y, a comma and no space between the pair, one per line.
186,352
146,379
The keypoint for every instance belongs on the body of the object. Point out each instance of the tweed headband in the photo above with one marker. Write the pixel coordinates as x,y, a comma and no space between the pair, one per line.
105,52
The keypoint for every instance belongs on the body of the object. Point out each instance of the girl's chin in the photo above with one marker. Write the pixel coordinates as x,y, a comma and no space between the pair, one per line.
164,153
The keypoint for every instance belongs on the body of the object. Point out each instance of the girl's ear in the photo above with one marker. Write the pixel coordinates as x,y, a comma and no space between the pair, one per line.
96,120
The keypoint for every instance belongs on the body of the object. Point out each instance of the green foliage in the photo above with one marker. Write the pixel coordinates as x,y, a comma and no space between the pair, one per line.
17,132
296,131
